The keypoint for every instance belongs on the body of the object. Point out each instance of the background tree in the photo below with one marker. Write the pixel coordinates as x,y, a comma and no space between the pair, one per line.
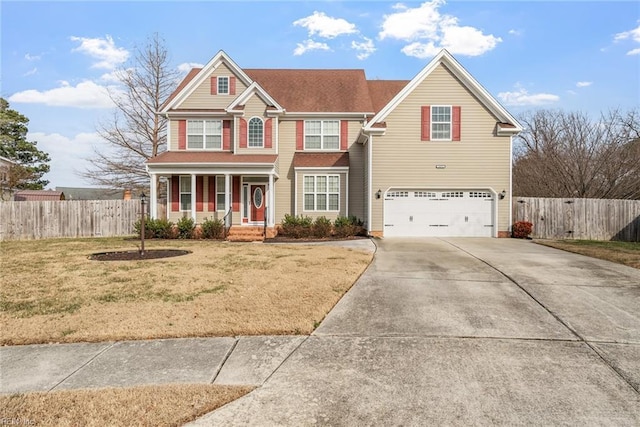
135,133
564,154
31,163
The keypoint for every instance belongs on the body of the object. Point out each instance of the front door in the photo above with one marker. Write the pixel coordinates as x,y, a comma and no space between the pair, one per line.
257,202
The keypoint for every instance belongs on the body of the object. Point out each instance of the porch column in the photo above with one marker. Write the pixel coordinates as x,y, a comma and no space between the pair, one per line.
153,196
271,209
227,199
193,196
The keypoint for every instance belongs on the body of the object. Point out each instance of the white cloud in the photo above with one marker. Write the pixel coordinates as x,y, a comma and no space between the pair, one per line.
325,26
30,57
584,84
185,67
31,72
428,31
84,95
109,56
633,35
522,97
365,48
515,32
308,45
68,155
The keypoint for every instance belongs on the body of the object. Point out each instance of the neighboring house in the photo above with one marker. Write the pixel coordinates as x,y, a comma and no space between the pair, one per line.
5,185
81,193
37,195
425,157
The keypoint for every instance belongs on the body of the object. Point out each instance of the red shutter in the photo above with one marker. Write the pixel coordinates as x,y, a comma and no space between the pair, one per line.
232,85
300,135
182,135
235,194
199,193
226,134
425,122
268,133
344,134
175,193
214,85
212,194
455,133
243,133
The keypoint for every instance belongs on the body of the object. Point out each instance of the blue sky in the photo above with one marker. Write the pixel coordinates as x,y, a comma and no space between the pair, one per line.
58,58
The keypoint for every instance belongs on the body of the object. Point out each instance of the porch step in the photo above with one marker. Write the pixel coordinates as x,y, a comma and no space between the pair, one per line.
245,234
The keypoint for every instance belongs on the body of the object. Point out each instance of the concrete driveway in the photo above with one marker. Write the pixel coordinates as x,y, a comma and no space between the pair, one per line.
464,332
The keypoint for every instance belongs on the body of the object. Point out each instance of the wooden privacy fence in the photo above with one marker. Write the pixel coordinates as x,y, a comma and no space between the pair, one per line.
590,219
72,218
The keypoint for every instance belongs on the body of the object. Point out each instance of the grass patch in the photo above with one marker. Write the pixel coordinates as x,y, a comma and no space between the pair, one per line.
52,292
169,405
627,253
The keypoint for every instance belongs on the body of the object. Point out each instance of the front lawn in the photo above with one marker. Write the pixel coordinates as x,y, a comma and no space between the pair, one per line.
52,292
627,253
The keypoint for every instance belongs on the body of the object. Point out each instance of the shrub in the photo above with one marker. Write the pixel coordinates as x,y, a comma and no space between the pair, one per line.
297,226
521,229
321,227
148,228
212,228
163,229
347,226
186,227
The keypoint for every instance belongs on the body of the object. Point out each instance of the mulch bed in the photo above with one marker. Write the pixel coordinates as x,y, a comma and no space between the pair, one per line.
137,255
283,239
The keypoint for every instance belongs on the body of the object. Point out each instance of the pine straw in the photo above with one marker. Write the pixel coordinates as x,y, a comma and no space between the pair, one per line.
168,405
52,292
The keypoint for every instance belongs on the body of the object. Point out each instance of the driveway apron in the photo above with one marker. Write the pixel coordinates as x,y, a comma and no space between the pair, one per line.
464,332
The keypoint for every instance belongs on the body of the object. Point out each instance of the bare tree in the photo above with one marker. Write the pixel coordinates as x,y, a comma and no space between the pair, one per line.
569,155
135,133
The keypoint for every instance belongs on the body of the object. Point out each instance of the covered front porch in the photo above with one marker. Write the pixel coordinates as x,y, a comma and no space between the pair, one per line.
239,191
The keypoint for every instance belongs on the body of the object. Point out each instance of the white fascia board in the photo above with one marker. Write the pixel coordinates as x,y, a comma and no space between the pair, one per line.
444,57
214,169
214,63
254,89
315,115
186,114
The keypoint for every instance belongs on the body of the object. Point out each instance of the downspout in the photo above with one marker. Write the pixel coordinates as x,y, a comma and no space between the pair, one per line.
510,200
370,181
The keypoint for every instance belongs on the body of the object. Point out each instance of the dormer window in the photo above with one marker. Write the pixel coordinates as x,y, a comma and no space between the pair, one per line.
223,85
256,133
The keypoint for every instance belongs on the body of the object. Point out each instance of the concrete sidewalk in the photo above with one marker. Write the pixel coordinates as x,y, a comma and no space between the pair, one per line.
229,361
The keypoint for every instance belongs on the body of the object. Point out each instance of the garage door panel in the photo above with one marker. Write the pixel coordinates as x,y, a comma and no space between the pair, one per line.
438,213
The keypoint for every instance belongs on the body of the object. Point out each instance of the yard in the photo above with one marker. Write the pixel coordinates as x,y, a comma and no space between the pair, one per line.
626,253
52,292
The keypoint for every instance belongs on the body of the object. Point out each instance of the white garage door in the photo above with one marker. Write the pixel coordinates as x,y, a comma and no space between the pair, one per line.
438,213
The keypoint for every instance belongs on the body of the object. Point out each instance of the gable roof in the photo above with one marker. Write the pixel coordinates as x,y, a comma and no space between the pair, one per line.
339,91
254,89
34,195
382,91
444,57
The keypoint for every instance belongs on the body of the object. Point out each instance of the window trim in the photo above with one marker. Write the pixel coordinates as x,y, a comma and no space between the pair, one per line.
204,134
434,122
219,80
261,133
322,136
315,192
181,193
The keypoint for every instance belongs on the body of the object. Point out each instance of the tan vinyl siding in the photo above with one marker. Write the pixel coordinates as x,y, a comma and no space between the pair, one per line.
255,107
284,184
173,136
478,160
357,155
201,97
332,215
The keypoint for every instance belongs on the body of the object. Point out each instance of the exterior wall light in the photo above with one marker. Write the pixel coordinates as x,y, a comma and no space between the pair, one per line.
502,195
378,194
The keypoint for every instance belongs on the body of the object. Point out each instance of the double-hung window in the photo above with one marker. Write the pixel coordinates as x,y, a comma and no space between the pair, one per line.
256,133
322,135
322,192
223,85
440,122
185,193
220,187
204,134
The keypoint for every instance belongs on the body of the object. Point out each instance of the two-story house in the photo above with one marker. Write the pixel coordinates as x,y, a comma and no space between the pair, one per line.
429,156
